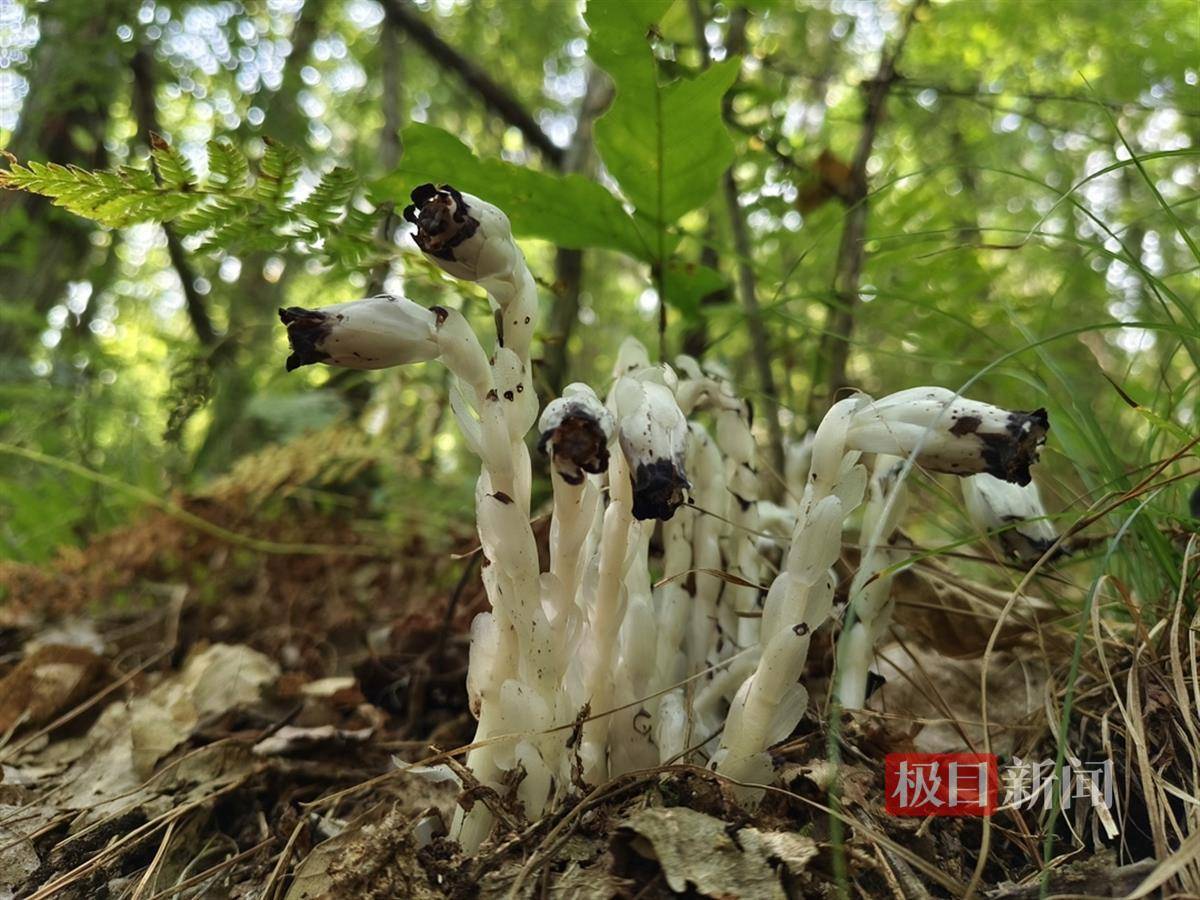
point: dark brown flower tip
(874, 682)
(658, 490)
(1025, 549)
(442, 217)
(577, 444)
(1009, 455)
(306, 329)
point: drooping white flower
(951, 433)
(374, 333)
(1012, 515)
(653, 433)
(575, 430)
(468, 237)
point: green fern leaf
(327, 203)
(277, 173)
(228, 170)
(227, 211)
(216, 212)
(173, 168)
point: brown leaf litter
(181, 717)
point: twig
(269, 889)
(835, 342)
(152, 869)
(134, 837)
(491, 92)
(200, 877)
(775, 64)
(568, 264)
(146, 114)
(175, 511)
(747, 286)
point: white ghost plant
(587, 669)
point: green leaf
(173, 167)
(686, 284)
(225, 210)
(618, 40)
(227, 166)
(324, 206)
(668, 151)
(569, 210)
(665, 144)
(277, 173)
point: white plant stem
(591, 632)
(870, 591)
(607, 614)
(771, 701)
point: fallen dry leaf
(291, 739)
(53, 678)
(944, 694)
(378, 860)
(122, 749)
(18, 857)
(711, 857)
(214, 681)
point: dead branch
(490, 91)
(146, 114)
(747, 287)
(835, 341)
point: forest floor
(183, 717)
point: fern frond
(229, 210)
(217, 211)
(113, 198)
(228, 170)
(277, 173)
(174, 170)
(327, 203)
(353, 242)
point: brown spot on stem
(641, 722)
(966, 425)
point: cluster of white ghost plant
(655, 653)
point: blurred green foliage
(1031, 229)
